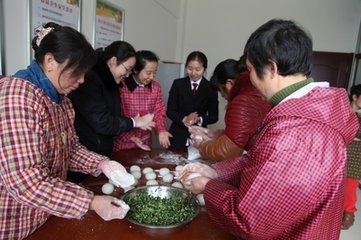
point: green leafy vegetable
(156, 211)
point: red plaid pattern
(290, 185)
(37, 146)
(142, 100)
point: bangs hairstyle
(198, 56)
(142, 57)
(67, 46)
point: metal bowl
(164, 192)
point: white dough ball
(179, 168)
(151, 182)
(150, 176)
(177, 184)
(134, 168)
(200, 198)
(107, 188)
(168, 178)
(164, 171)
(136, 174)
(147, 170)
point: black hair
(120, 49)
(282, 42)
(142, 57)
(197, 56)
(66, 45)
(355, 90)
(227, 69)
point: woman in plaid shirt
(290, 184)
(141, 95)
(38, 143)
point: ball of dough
(164, 171)
(150, 176)
(147, 170)
(107, 188)
(179, 168)
(200, 198)
(136, 174)
(134, 168)
(168, 178)
(151, 182)
(177, 185)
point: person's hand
(145, 122)
(164, 138)
(117, 173)
(190, 119)
(196, 185)
(202, 169)
(195, 141)
(205, 133)
(108, 207)
(140, 143)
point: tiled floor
(354, 233)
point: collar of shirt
(306, 89)
(132, 84)
(197, 82)
(35, 74)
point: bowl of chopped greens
(157, 210)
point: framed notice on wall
(109, 24)
(62, 12)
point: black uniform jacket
(97, 110)
(182, 102)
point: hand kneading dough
(147, 170)
(134, 168)
(107, 188)
(193, 175)
(122, 179)
(151, 182)
(150, 176)
(168, 178)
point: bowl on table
(160, 210)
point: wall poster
(109, 24)
(62, 12)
